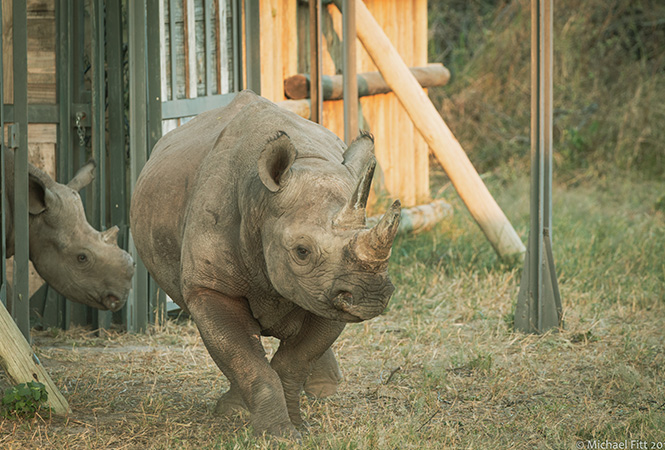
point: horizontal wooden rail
(296, 87)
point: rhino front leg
(232, 337)
(325, 376)
(295, 358)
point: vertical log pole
(443, 143)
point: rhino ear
(39, 195)
(275, 161)
(84, 176)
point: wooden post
(21, 363)
(441, 140)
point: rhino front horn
(375, 244)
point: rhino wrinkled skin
(79, 262)
(253, 220)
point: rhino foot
(230, 403)
(325, 377)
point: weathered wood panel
(279, 44)
(402, 154)
(41, 51)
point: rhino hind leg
(230, 402)
(325, 376)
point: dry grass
(441, 368)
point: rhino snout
(359, 307)
(113, 303)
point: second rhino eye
(82, 258)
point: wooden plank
(21, 364)
(269, 46)
(7, 52)
(405, 150)
(421, 149)
(290, 42)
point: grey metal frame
(539, 302)
(3, 206)
(350, 71)
(19, 141)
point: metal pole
(103, 318)
(21, 303)
(3, 206)
(350, 72)
(236, 8)
(253, 45)
(315, 61)
(538, 303)
(137, 304)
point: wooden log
(296, 87)
(22, 365)
(441, 140)
(419, 218)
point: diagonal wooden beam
(441, 140)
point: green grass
(442, 368)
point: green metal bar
(116, 149)
(76, 313)
(350, 72)
(538, 303)
(103, 318)
(315, 62)
(172, 47)
(137, 314)
(207, 13)
(3, 206)
(20, 304)
(253, 45)
(64, 164)
(236, 8)
(157, 309)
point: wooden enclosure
(402, 153)
(193, 60)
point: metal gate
(125, 71)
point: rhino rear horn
(275, 162)
(84, 176)
(360, 161)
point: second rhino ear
(39, 196)
(84, 176)
(275, 161)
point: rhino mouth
(350, 312)
(112, 303)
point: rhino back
(163, 190)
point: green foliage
(24, 400)
(609, 83)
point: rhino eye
(82, 258)
(302, 252)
